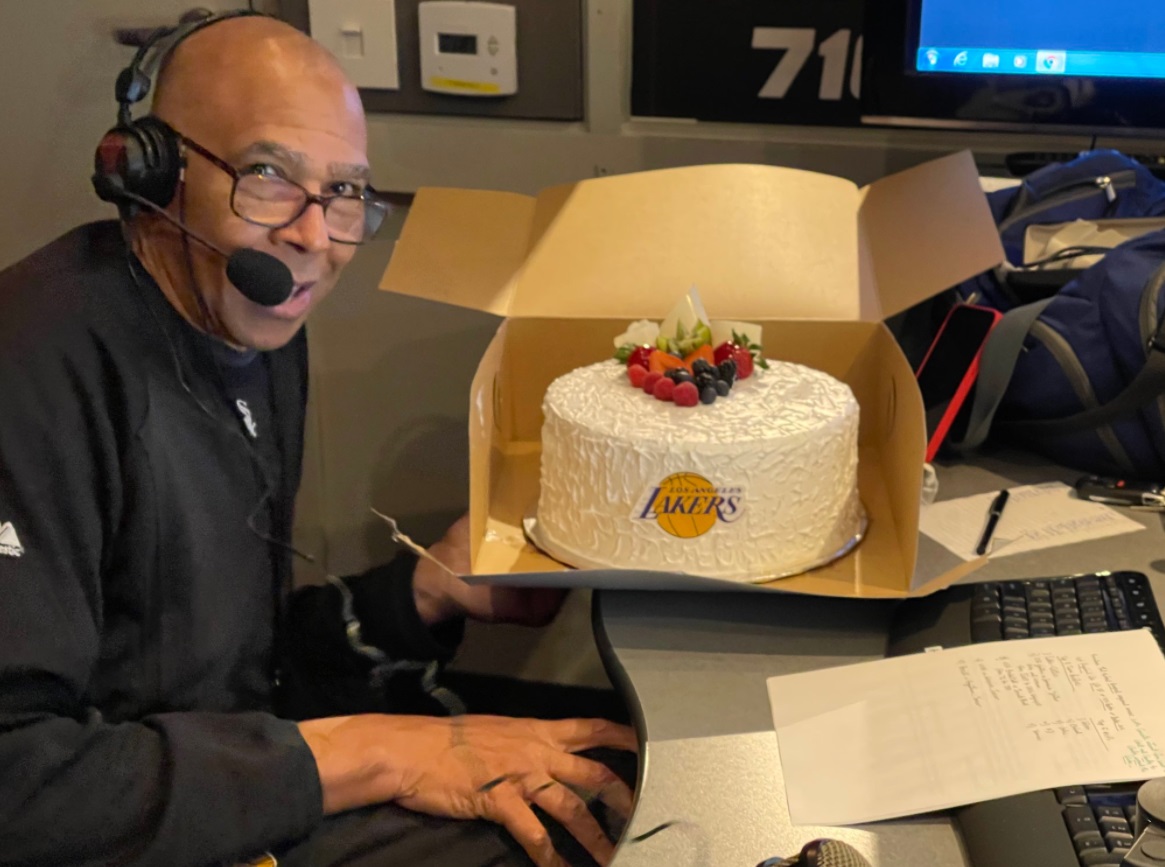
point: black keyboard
(1024, 163)
(1069, 827)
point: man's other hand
(471, 767)
(441, 596)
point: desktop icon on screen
(932, 57)
(961, 59)
(990, 61)
(1050, 62)
(1020, 61)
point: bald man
(152, 668)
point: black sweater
(139, 604)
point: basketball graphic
(682, 487)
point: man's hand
(441, 596)
(472, 767)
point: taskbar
(1010, 61)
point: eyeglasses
(275, 202)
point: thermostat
(468, 48)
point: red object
(640, 355)
(649, 381)
(724, 351)
(664, 389)
(743, 359)
(950, 369)
(637, 373)
(686, 394)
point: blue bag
(1080, 377)
(1098, 185)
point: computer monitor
(1077, 66)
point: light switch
(362, 35)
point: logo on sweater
(687, 505)
(248, 419)
(9, 542)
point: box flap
(924, 230)
(759, 241)
(462, 247)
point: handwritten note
(913, 734)
(1036, 517)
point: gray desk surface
(695, 666)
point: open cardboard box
(817, 261)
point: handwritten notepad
(913, 734)
(1036, 516)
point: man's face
(313, 136)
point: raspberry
(664, 389)
(686, 394)
(637, 373)
(650, 380)
(743, 359)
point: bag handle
(997, 364)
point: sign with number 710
(798, 44)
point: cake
(759, 483)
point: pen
(992, 520)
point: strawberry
(640, 355)
(744, 363)
(686, 394)
(636, 373)
(649, 381)
(727, 349)
(664, 389)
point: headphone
(142, 157)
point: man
(150, 441)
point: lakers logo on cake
(687, 505)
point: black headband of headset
(133, 82)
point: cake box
(815, 260)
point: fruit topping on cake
(688, 359)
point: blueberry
(682, 376)
(708, 394)
(723, 387)
(673, 373)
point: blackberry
(727, 370)
(708, 394)
(701, 366)
(703, 380)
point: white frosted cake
(758, 484)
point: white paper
(930, 731)
(1035, 517)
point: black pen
(992, 520)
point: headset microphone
(139, 163)
(259, 276)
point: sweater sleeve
(333, 635)
(184, 788)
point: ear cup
(142, 158)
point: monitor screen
(1077, 64)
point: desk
(693, 666)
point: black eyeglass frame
(375, 208)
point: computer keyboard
(1025, 162)
(1077, 826)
